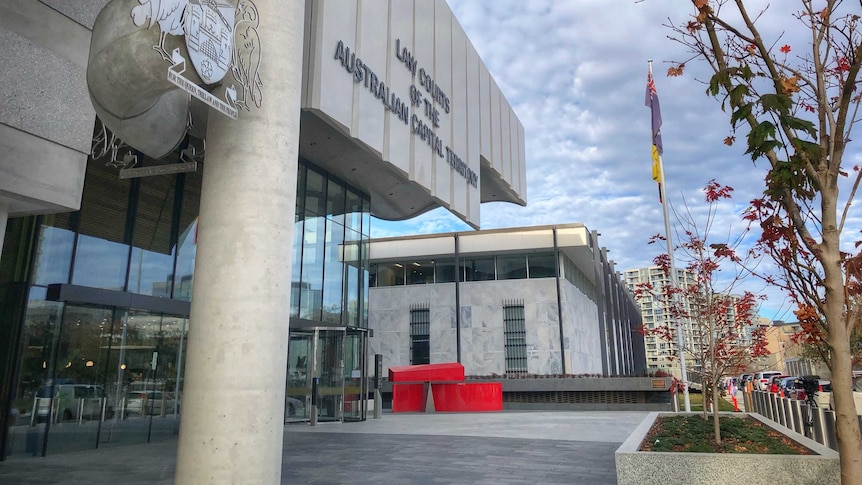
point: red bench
(441, 387)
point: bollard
(315, 382)
(378, 398)
(378, 404)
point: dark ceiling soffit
(123, 299)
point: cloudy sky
(575, 74)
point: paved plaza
(486, 448)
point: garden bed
(778, 454)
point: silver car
(149, 403)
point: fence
(813, 422)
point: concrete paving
(486, 448)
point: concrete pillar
(233, 398)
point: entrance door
(336, 357)
(300, 361)
(329, 368)
(355, 382)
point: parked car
(857, 395)
(149, 403)
(294, 408)
(773, 383)
(787, 387)
(743, 380)
(822, 394)
(72, 402)
(763, 378)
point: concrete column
(233, 399)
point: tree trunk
(846, 421)
(716, 428)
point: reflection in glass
(542, 265)
(420, 273)
(54, 255)
(390, 274)
(335, 199)
(444, 270)
(100, 263)
(479, 268)
(188, 235)
(152, 264)
(333, 273)
(353, 211)
(352, 287)
(315, 193)
(76, 399)
(512, 266)
(311, 290)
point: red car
(773, 384)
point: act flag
(653, 104)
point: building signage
(167, 169)
(425, 97)
(175, 76)
(211, 29)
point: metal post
(378, 398)
(315, 383)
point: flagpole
(680, 331)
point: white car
(149, 402)
(763, 379)
(857, 396)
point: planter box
(635, 467)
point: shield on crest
(209, 26)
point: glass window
(296, 270)
(512, 267)
(366, 216)
(479, 268)
(335, 200)
(515, 334)
(300, 190)
(353, 284)
(444, 270)
(311, 287)
(188, 234)
(541, 265)
(152, 265)
(390, 274)
(353, 211)
(420, 323)
(315, 193)
(333, 273)
(420, 273)
(54, 256)
(102, 253)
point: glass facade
(94, 314)
(471, 268)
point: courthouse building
(534, 301)
(103, 162)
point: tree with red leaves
(799, 110)
(720, 326)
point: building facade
(506, 302)
(660, 355)
(101, 215)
